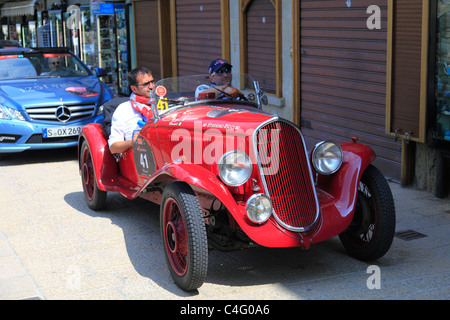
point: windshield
(40, 65)
(171, 93)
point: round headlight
(235, 168)
(327, 157)
(259, 208)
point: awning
(18, 8)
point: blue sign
(106, 8)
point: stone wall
(425, 169)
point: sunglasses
(222, 71)
(54, 63)
(146, 84)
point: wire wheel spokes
(365, 217)
(370, 234)
(95, 197)
(87, 172)
(184, 235)
(175, 237)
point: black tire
(95, 198)
(372, 230)
(184, 236)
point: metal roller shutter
(199, 35)
(261, 43)
(147, 36)
(343, 77)
(406, 79)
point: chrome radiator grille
(61, 113)
(287, 175)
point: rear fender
(105, 165)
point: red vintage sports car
(225, 172)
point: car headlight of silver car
(235, 168)
(100, 110)
(327, 157)
(8, 113)
(259, 208)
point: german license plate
(56, 132)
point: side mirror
(100, 72)
(264, 100)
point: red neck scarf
(142, 105)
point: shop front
(97, 31)
(18, 21)
(439, 95)
(442, 71)
(418, 91)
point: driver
(54, 64)
(57, 69)
(125, 118)
(220, 77)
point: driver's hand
(136, 134)
(235, 93)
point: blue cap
(217, 64)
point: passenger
(125, 118)
(220, 77)
(54, 64)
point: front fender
(194, 175)
(344, 183)
(337, 192)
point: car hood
(50, 91)
(223, 118)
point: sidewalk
(53, 247)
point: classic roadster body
(225, 171)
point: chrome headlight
(8, 113)
(235, 168)
(327, 157)
(259, 208)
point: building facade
(374, 69)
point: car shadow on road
(139, 222)
(259, 266)
(38, 156)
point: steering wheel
(228, 96)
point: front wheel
(184, 236)
(95, 198)
(372, 229)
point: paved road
(52, 246)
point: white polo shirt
(124, 122)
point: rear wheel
(372, 230)
(184, 236)
(95, 198)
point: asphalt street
(53, 247)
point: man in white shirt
(125, 118)
(220, 77)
